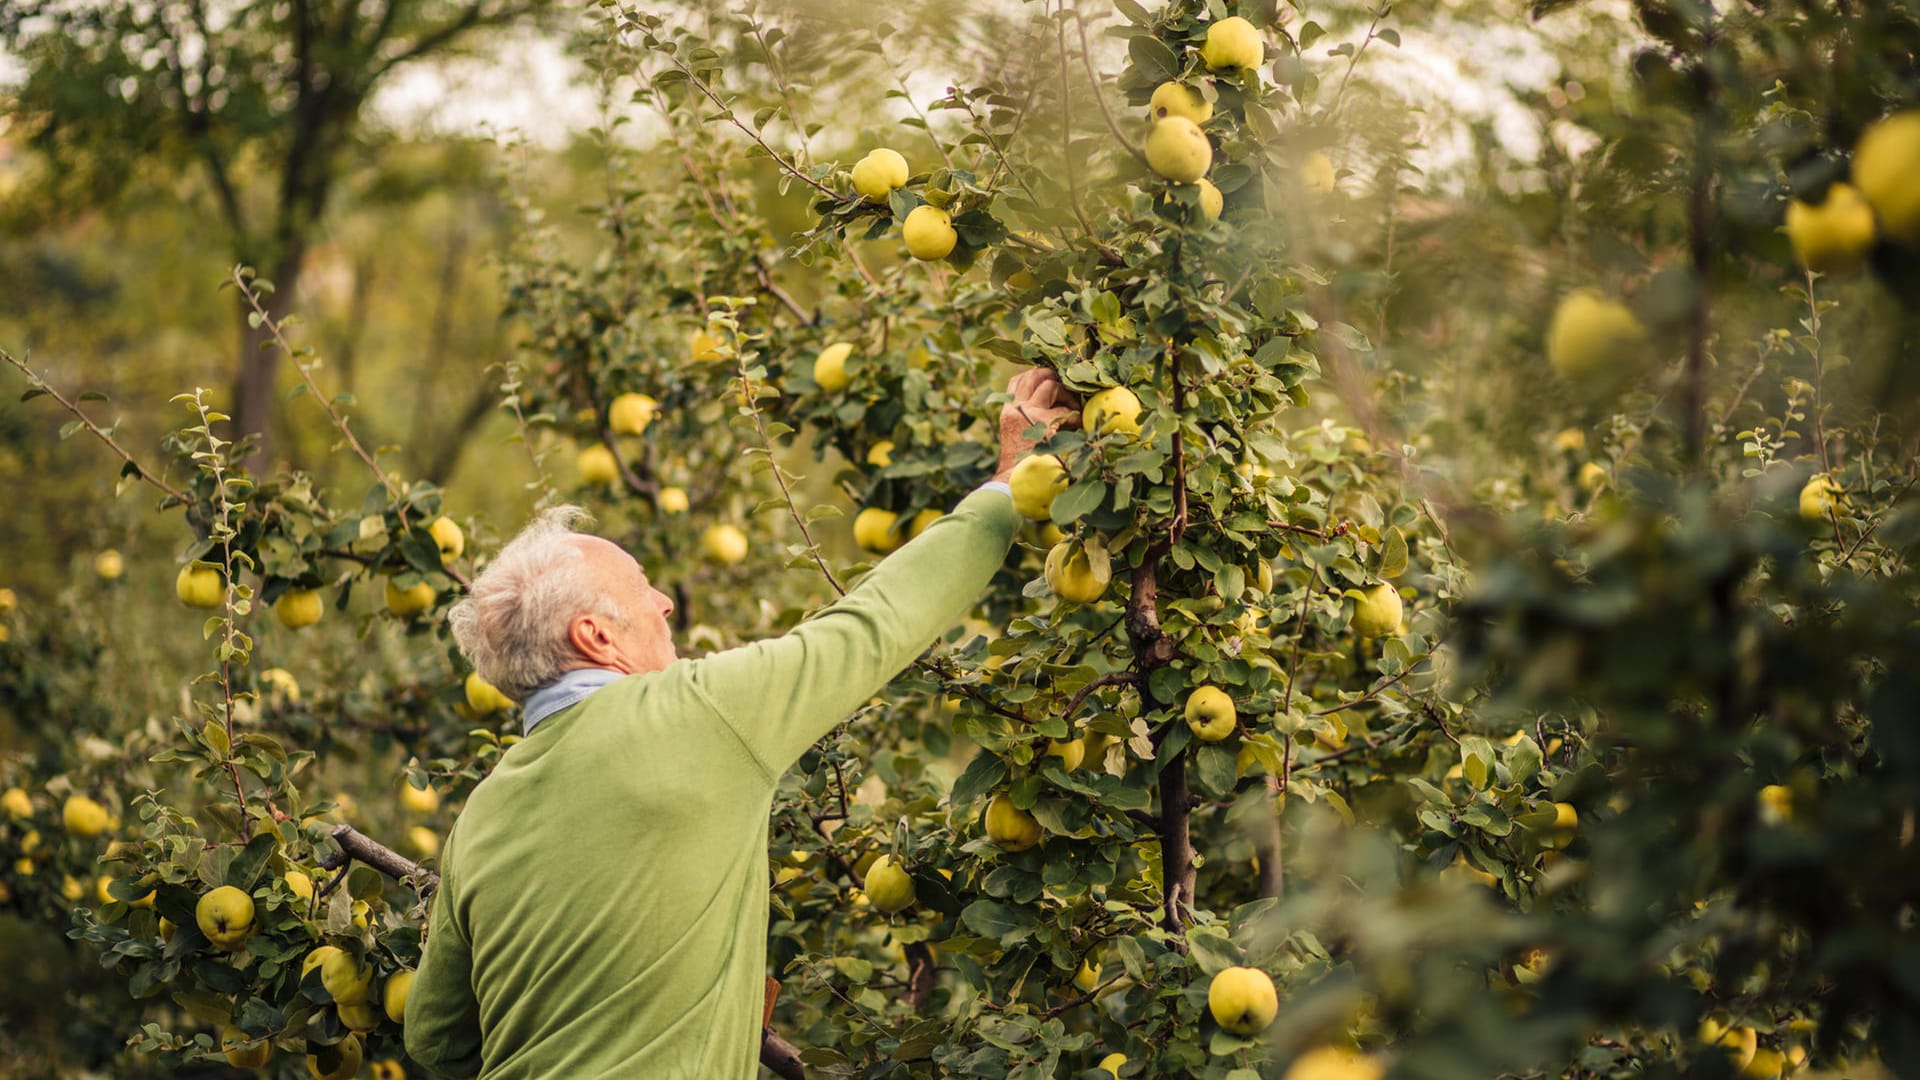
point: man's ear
(588, 634)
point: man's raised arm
(782, 695)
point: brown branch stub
(781, 1057)
(920, 973)
(355, 844)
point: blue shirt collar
(568, 690)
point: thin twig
(243, 280)
(727, 112)
(1116, 678)
(1086, 57)
(98, 432)
(779, 477)
(1378, 690)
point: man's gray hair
(513, 624)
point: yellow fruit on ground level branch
(299, 883)
(1775, 802)
(704, 348)
(1740, 1043)
(1071, 753)
(1112, 1063)
(17, 803)
(1232, 43)
(873, 530)
(888, 885)
(346, 977)
(109, 565)
(84, 817)
(1178, 150)
(1243, 1000)
(1075, 576)
(631, 413)
(225, 916)
(483, 697)
(316, 957)
(1087, 977)
(596, 465)
(830, 367)
(929, 233)
(423, 842)
(1334, 1063)
(1377, 612)
(1592, 336)
(448, 538)
(362, 1018)
(1037, 480)
(923, 519)
(1211, 201)
(1819, 498)
(1009, 826)
(394, 1000)
(673, 500)
(341, 1061)
(411, 601)
(1210, 713)
(1886, 162)
(1835, 236)
(233, 1043)
(723, 544)
(419, 801)
(1179, 99)
(1566, 820)
(876, 175)
(200, 587)
(1317, 175)
(880, 454)
(1114, 409)
(298, 609)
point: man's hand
(1038, 398)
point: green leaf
(1002, 922)
(1154, 59)
(1523, 760)
(1214, 770)
(1077, 501)
(982, 775)
(1212, 951)
(244, 871)
(1488, 818)
(1393, 554)
(215, 736)
(365, 883)
(854, 968)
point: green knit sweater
(603, 897)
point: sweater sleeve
(442, 1023)
(781, 695)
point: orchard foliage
(1587, 760)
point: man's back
(603, 906)
(617, 852)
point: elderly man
(603, 898)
